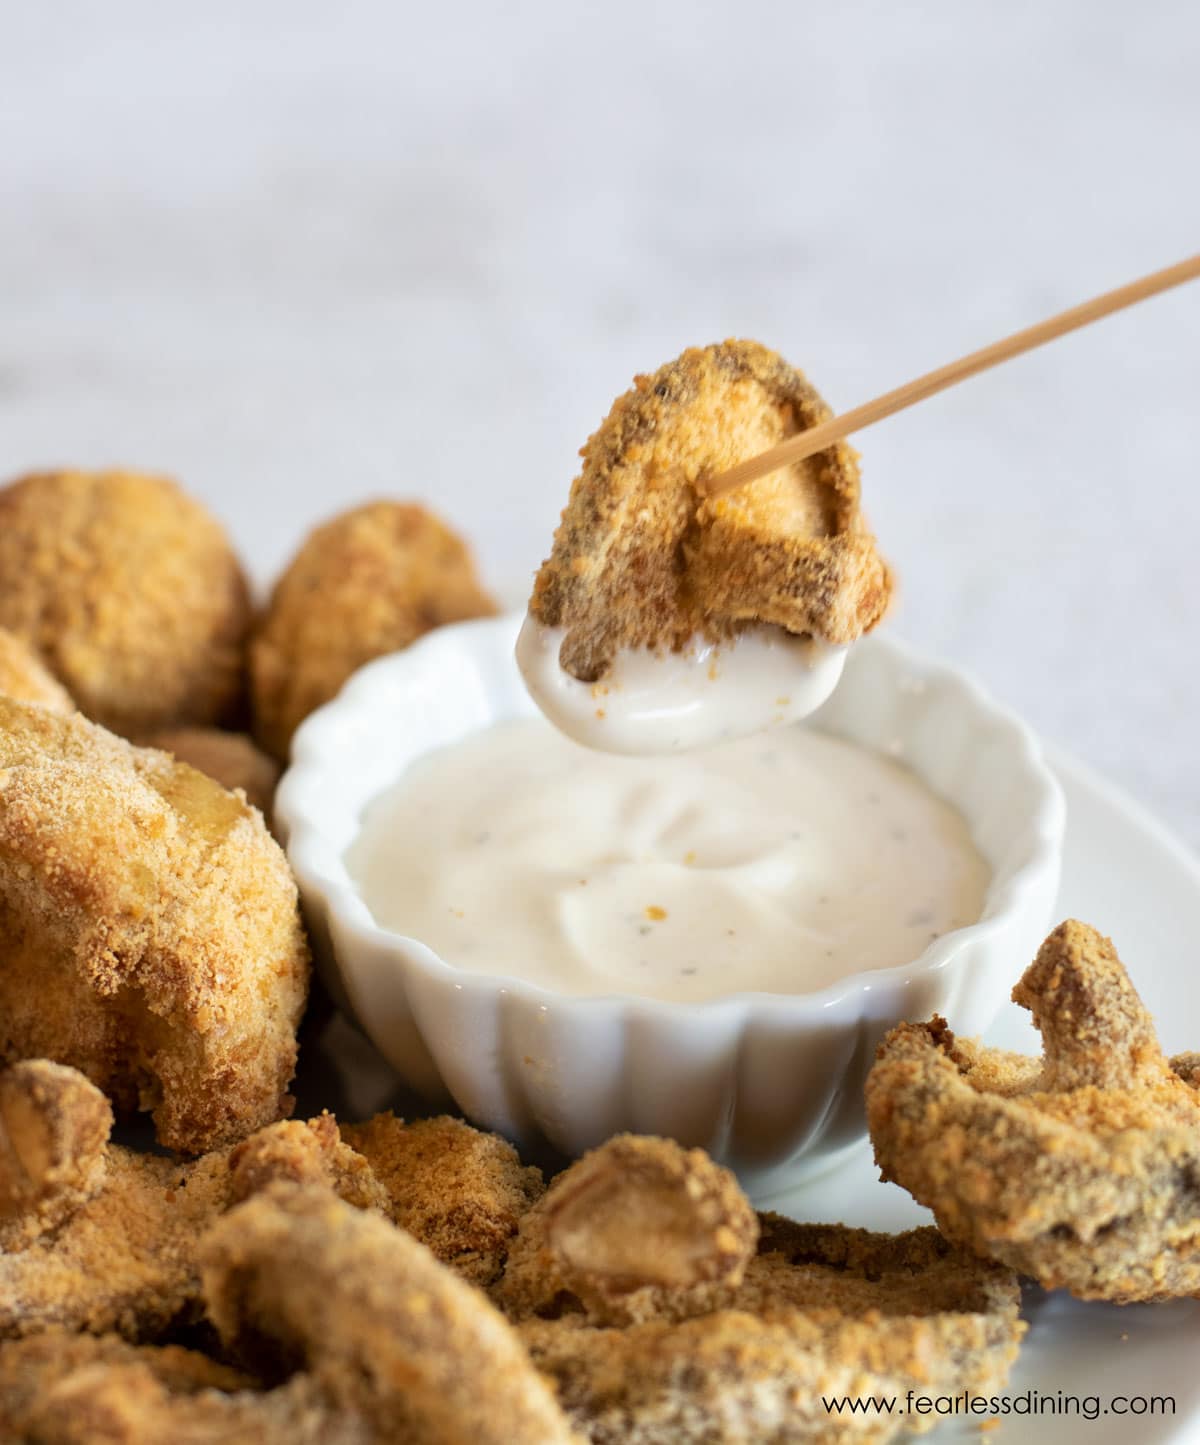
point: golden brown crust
(129, 591)
(62, 1389)
(637, 1227)
(54, 1127)
(1081, 1171)
(126, 1259)
(641, 559)
(102, 1238)
(824, 1311)
(231, 759)
(151, 926)
(460, 1191)
(23, 676)
(368, 582)
(310, 1153)
(296, 1276)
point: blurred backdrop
(302, 254)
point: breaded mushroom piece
(643, 559)
(460, 1191)
(635, 1227)
(822, 1311)
(67, 1389)
(368, 582)
(309, 1153)
(23, 676)
(151, 930)
(1079, 1169)
(130, 593)
(95, 1237)
(54, 1126)
(296, 1279)
(230, 758)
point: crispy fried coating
(636, 1226)
(641, 559)
(103, 1238)
(230, 758)
(62, 1389)
(54, 1126)
(460, 1191)
(294, 1278)
(306, 1153)
(823, 1311)
(1081, 1170)
(368, 582)
(97, 1237)
(125, 1260)
(150, 930)
(23, 676)
(129, 591)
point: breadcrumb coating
(635, 1227)
(642, 559)
(63, 1389)
(54, 1126)
(23, 676)
(100, 1238)
(368, 582)
(296, 1278)
(460, 1191)
(130, 593)
(824, 1311)
(151, 930)
(1082, 1169)
(305, 1153)
(125, 1260)
(231, 759)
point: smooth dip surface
(670, 702)
(780, 863)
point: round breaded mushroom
(129, 592)
(369, 582)
(150, 932)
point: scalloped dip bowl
(769, 1083)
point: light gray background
(304, 253)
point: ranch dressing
(779, 863)
(669, 702)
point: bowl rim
(321, 870)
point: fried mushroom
(297, 1280)
(368, 582)
(643, 559)
(823, 1311)
(129, 592)
(151, 931)
(460, 1191)
(636, 1226)
(1081, 1170)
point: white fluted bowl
(769, 1083)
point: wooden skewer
(817, 438)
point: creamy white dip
(669, 702)
(780, 862)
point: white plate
(1124, 873)
(1127, 875)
